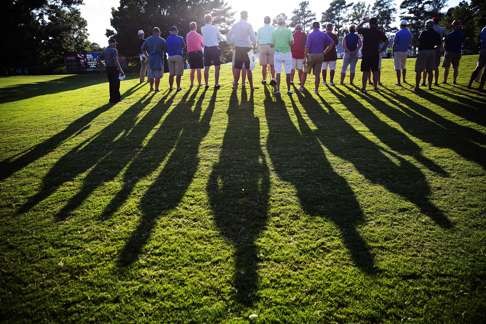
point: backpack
(352, 41)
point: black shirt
(332, 54)
(372, 38)
(428, 40)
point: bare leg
(272, 71)
(277, 84)
(436, 76)
(418, 77)
(206, 75)
(331, 75)
(324, 76)
(430, 77)
(317, 81)
(178, 81)
(287, 78)
(157, 83)
(199, 76)
(191, 76)
(364, 81)
(264, 73)
(376, 77)
(216, 75)
(404, 74)
(343, 76)
(446, 74)
(301, 77)
(292, 74)
(151, 82)
(250, 78)
(171, 81)
(351, 78)
(399, 77)
(236, 77)
(243, 76)
(456, 73)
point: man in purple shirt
(318, 43)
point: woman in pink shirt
(194, 42)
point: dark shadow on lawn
(469, 109)
(185, 129)
(432, 128)
(369, 159)
(88, 154)
(389, 135)
(120, 154)
(299, 159)
(238, 190)
(21, 160)
(30, 90)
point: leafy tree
(358, 12)
(47, 29)
(418, 11)
(303, 15)
(336, 13)
(384, 11)
(465, 12)
(282, 14)
(132, 15)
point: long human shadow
(299, 159)
(467, 109)
(34, 89)
(185, 129)
(87, 154)
(238, 190)
(392, 137)
(369, 159)
(121, 153)
(15, 163)
(430, 127)
(154, 152)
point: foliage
(132, 15)
(337, 14)
(466, 13)
(303, 15)
(358, 12)
(384, 11)
(46, 30)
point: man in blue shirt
(453, 48)
(481, 62)
(154, 47)
(401, 45)
(175, 51)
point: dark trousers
(112, 73)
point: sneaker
(301, 89)
(273, 82)
(179, 89)
(289, 92)
(264, 82)
(331, 84)
(276, 92)
(217, 86)
(316, 91)
(324, 83)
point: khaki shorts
(400, 60)
(266, 55)
(176, 65)
(314, 63)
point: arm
(360, 44)
(345, 46)
(252, 37)
(118, 63)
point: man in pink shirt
(194, 42)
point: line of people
(283, 51)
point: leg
(157, 83)
(199, 76)
(404, 73)
(324, 76)
(216, 75)
(178, 81)
(483, 80)
(317, 77)
(446, 74)
(191, 76)
(151, 82)
(430, 77)
(250, 78)
(243, 76)
(399, 76)
(236, 76)
(206, 75)
(264, 73)
(331, 76)
(301, 76)
(272, 71)
(287, 78)
(277, 84)
(418, 76)
(364, 81)
(292, 75)
(424, 78)
(171, 81)
(436, 76)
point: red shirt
(299, 45)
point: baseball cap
(403, 23)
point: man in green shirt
(282, 41)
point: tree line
(39, 32)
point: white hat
(140, 32)
(403, 23)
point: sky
(98, 12)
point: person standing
(330, 57)
(439, 50)
(282, 41)
(481, 61)
(141, 55)
(428, 42)
(175, 51)
(401, 45)
(453, 49)
(243, 38)
(211, 38)
(264, 40)
(317, 45)
(113, 70)
(298, 54)
(154, 47)
(194, 42)
(351, 44)
(372, 37)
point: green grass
(211, 206)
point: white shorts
(400, 60)
(285, 59)
(330, 64)
(297, 64)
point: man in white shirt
(243, 39)
(211, 39)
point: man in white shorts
(298, 54)
(401, 45)
(330, 57)
(282, 41)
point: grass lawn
(212, 206)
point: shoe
(289, 92)
(363, 91)
(301, 89)
(276, 92)
(206, 86)
(316, 91)
(217, 86)
(331, 84)
(179, 89)
(324, 83)
(264, 82)
(273, 82)
(291, 82)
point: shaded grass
(212, 205)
